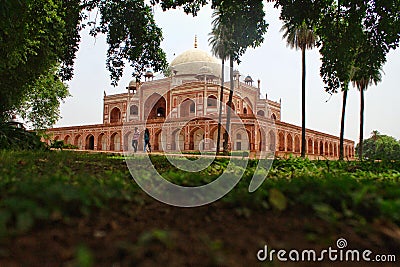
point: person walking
(135, 139)
(146, 140)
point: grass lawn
(61, 208)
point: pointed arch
(281, 137)
(310, 146)
(271, 141)
(321, 148)
(187, 108)
(155, 107)
(316, 147)
(326, 148)
(67, 139)
(212, 101)
(178, 140)
(115, 142)
(89, 142)
(159, 142)
(289, 143)
(115, 115)
(197, 139)
(101, 142)
(78, 141)
(297, 144)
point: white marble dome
(194, 55)
(189, 63)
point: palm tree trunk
(303, 104)
(361, 123)
(341, 142)
(221, 100)
(229, 108)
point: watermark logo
(178, 125)
(341, 243)
(340, 253)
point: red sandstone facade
(181, 113)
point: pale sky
(277, 66)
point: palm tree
(240, 26)
(362, 83)
(221, 41)
(341, 141)
(219, 45)
(301, 37)
(229, 106)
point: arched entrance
(271, 141)
(321, 148)
(263, 140)
(289, 141)
(159, 141)
(102, 142)
(214, 136)
(297, 144)
(310, 146)
(281, 141)
(115, 115)
(128, 141)
(187, 108)
(155, 107)
(115, 142)
(78, 141)
(178, 140)
(89, 142)
(197, 139)
(67, 140)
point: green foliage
(351, 33)
(41, 187)
(136, 40)
(52, 186)
(59, 144)
(40, 106)
(15, 138)
(380, 147)
(35, 35)
(239, 24)
(84, 257)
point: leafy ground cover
(62, 208)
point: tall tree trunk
(360, 151)
(229, 108)
(341, 142)
(221, 100)
(303, 104)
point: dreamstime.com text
(340, 253)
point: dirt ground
(155, 234)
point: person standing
(146, 140)
(135, 139)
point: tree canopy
(344, 30)
(36, 35)
(380, 147)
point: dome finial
(195, 41)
